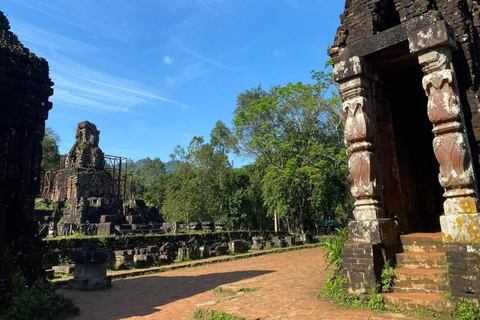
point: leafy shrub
(39, 302)
(375, 301)
(214, 315)
(334, 248)
(223, 292)
(388, 279)
(465, 309)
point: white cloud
(81, 87)
(167, 59)
(202, 58)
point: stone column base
(463, 262)
(372, 231)
(461, 228)
(362, 266)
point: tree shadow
(145, 295)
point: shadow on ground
(146, 295)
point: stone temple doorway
(412, 194)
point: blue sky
(151, 74)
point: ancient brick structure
(25, 87)
(404, 67)
(86, 187)
(88, 194)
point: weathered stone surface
(25, 88)
(434, 35)
(90, 269)
(461, 228)
(372, 232)
(464, 270)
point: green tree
(51, 153)
(294, 132)
(150, 180)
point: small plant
(222, 292)
(38, 302)
(388, 279)
(465, 309)
(375, 302)
(248, 290)
(334, 248)
(214, 315)
(418, 12)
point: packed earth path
(280, 286)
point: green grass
(248, 290)
(222, 292)
(214, 315)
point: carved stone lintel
(450, 144)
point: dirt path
(285, 285)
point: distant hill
(170, 166)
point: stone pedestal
(257, 243)
(90, 269)
(237, 246)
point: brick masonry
(25, 88)
(464, 270)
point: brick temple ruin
(87, 192)
(25, 88)
(403, 67)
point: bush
(465, 309)
(388, 279)
(214, 315)
(334, 248)
(39, 302)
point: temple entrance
(417, 200)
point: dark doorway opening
(419, 202)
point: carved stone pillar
(370, 234)
(461, 222)
(362, 160)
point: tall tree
(51, 153)
(295, 132)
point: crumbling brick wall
(25, 87)
(365, 18)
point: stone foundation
(362, 266)
(463, 261)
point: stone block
(435, 35)
(461, 228)
(257, 243)
(237, 246)
(204, 252)
(373, 232)
(66, 269)
(134, 219)
(221, 250)
(290, 240)
(106, 228)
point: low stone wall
(463, 262)
(59, 251)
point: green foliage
(38, 302)
(224, 292)
(334, 248)
(334, 289)
(464, 309)
(388, 278)
(248, 290)
(50, 149)
(294, 133)
(214, 315)
(375, 301)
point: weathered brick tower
(403, 68)
(85, 185)
(25, 87)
